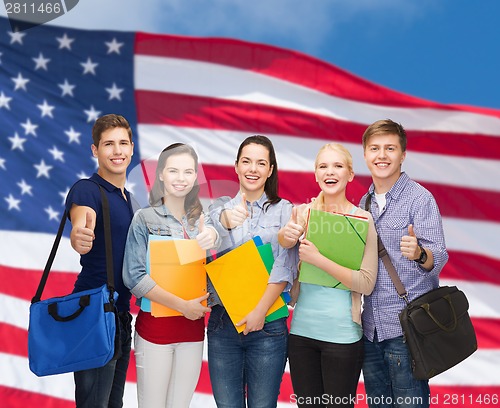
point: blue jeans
(388, 376)
(103, 387)
(254, 362)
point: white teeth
(382, 165)
(252, 177)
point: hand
(194, 310)
(206, 236)
(254, 321)
(82, 237)
(308, 252)
(236, 216)
(292, 231)
(409, 245)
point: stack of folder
(240, 278)
(339, 237)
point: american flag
(212, 93)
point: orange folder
(177, 266)
(240, 278)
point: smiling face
(114, 153)
(178, 175)
(384, 157)
(253, 169)
(333, 171)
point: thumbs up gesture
(82, 238)
(235, 217)
(292, 230)
(206, 236)
(409, 245)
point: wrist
(422, 259)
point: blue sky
(441, 50)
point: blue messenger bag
(79, 331)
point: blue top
(407, 203)
(324, 313)
(93, 273)
(261, 222)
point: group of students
(334, 333)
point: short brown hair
(107, 122)
(385, 127)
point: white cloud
(299, 24)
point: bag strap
(108, 245)
(383, 254)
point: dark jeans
(248, 366)
(388, 376)
(324, 374)
(103, 387)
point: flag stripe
(463, 397)
(484, 310)
(219, 147)
(454, 202)
(156, 74)
(465, 258)
(288, 65)
(16, 398)
(175, 109)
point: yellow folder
(240, 278)
(177, 266)
(339, 237)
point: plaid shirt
(407, 203)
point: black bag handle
(108, 245)
(427, 308)
(83, 303)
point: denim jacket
(151, 221)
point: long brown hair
(192, 203)
(271, 186)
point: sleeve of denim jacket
(284, 267)
(134, 272)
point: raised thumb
(411, 233)
(294, 215)
(244, 200)
(201, 223)
(88, 220)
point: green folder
(266, 253)
(339, 237)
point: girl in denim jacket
(168, 350)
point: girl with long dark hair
(248, 366)
(168, 350)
